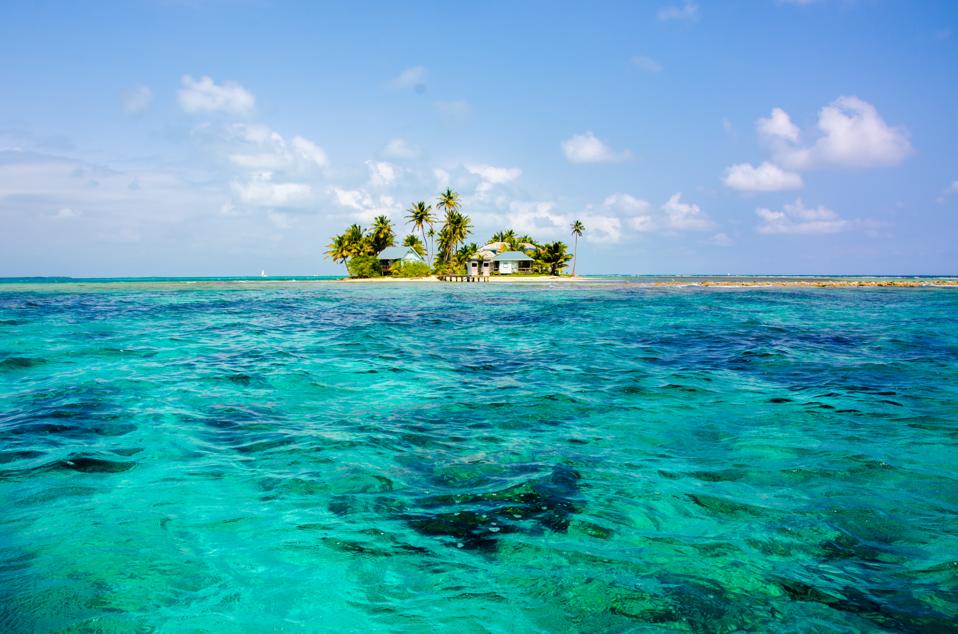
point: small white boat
(263, 273)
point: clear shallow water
(302, 457)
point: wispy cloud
(413, 77)
(204, 95)
(400, 149)
(797, 219)
(688, 11)
(491, 175)
(767, 177)
(137, 99)
(587, 148)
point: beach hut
(391, 256)
(480, 264)
(512, 262)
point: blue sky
(222, 138)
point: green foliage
(411, 269)
(364, 266)
(553, 257)
(416, 244)
(381, 234)
(449, 268)
(419, 215)
(465, 253)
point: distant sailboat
(263, 273)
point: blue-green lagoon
(228, 456)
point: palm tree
(466, 252)
(356, 242)
(381, 234)
(338, 249)
(420, 216)
(577, 230)
(412, 240)
(449, 201)
(554, 256)
(455, 226)
(461, 226)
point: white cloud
(491, 175)
(646, 63)
(721, 240)
(381, 173)
(414, 77)
(353, 198)
(686, 11)
(778, 125)
(260, 191)
(257, 147)
(137, 99)
(494, 175)
(364, 205)
(399, 149)
(674, 215)
(684, 216)
(767, 177)
(626, 202)
(587, 148)
(65, 213)
(852, 134)
(539, 218)
(309, 151)
(796, 219)
(205, 95)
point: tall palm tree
(455, 226)
(338, 249)
(577, 230)
(420, 217)
(412, 240)
(461, 227)
(449, 201)
(381, 234)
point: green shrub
(411, 269)
(450, 269)
(364, 266)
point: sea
(301, 455)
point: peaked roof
(397, 253)
(512, 256)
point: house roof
(512, 256)
(397, 253)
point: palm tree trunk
(575, 255)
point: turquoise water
(315, 456)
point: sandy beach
(496, 279)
